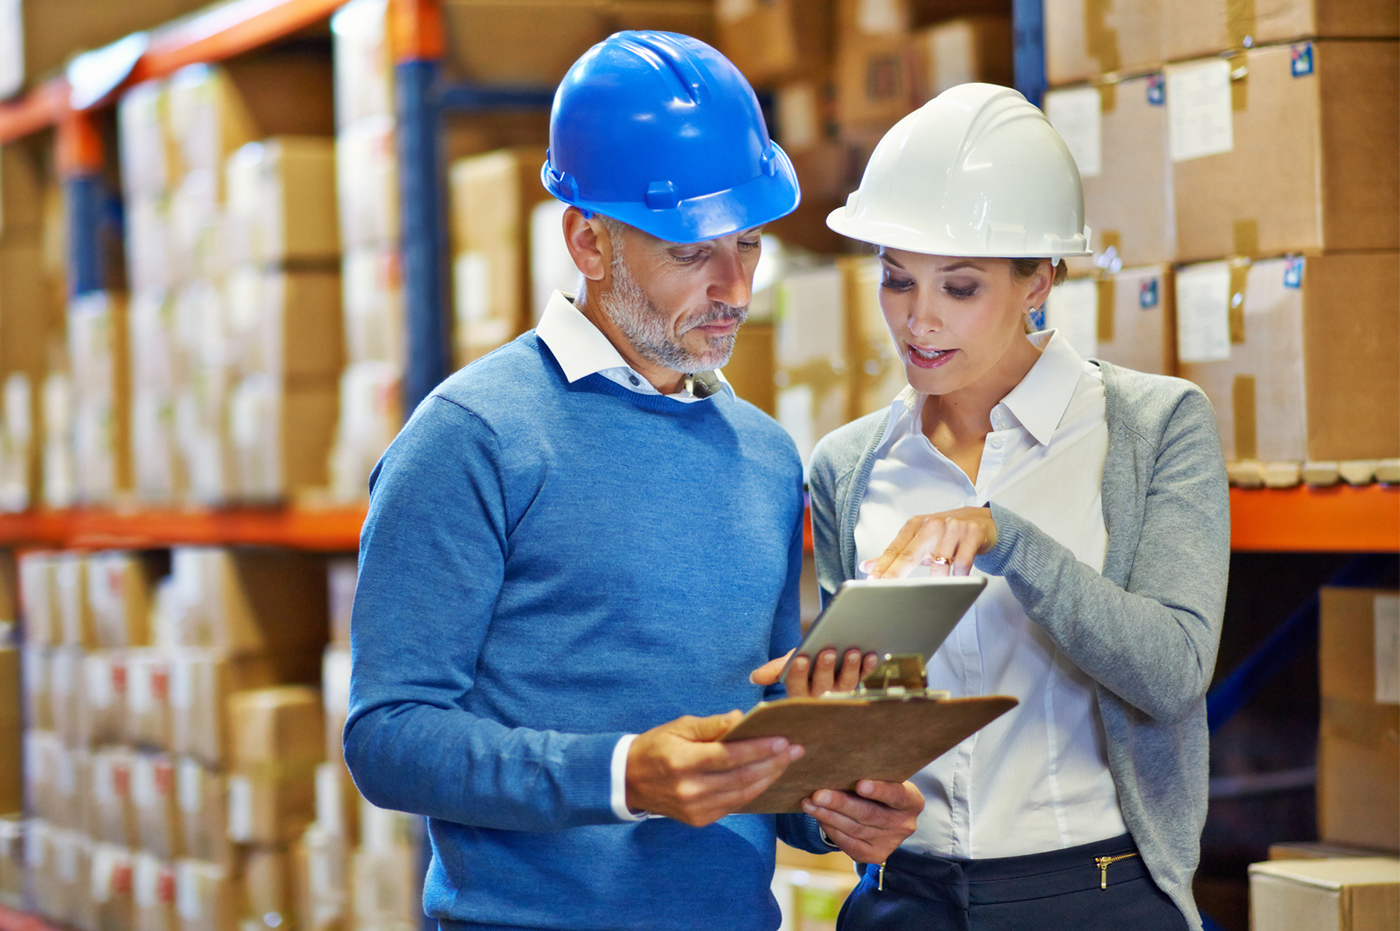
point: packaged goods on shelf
(112, 813)
(1196, 28)
(324, 888)
(337, 801)
(66, 692)
(281, 201)
(203, 684)
(367, 183)
(810, 351)
(152, 892)
(102, 714)
(97, 349)
(21, 190)
(280, 726)
(1287, 148)
(202, 793)
(153, 796)
(876, 82)
(270, 805)
(12, 830)
(775, 41)
(496, 42)
(749, 370)
(60, 867)
(335, 695)
(1117, 133)
(895, 17)
(370, 417)
(11, 734)
(206, 896)
(40, 769)
(250, 602)
(194, 237)
(962, 50)
(281, 435)
(59, 463)
(1124, 317)
(801, 114)
(120, 588)
(873, 361)
(24, 337)
(37, 37)
(1358, 767)
(20, 463)
(113, 905)
(75, 619)
(385, 871)
(150, 243)
(1087, 38)
(1297, 355)
(36, 583)
(364, 61)
(284, 323)
(551, 267)
(145, 144)
(267, 886)
(492, 196)
(688, 17)
(373, 305)
(147, 698)
(1349, 894)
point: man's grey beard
(644, 324)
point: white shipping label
(189, 892)
(879, 17)
(145, 880)
(1200, 114)
(99, 681)
(1077, 116)
(1073, 311)
(1387, 611)
(182, 681)
(727, 11)
(1203, 313)
(799, 115)
(189, 786)
(240, 808)
(66, 854)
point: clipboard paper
(848, 739)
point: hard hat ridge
(662, 132)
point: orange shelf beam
(1340, 519)
(41, 108)
(319, 529)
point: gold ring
(940, 560)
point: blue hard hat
(663, 133)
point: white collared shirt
(581, 350)
(1037, 778)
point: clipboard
(887, 734)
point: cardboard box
(267, 881)
(1087, 38)
(153, 796)
(37, 37)
(281, 201)
(1358, 767)
(492, 196)
(113, 904)
(21, 469)
(810, 350)
(367, 183)
(37, 597)
(1324, 895)
(877, 82)
(325, 891)
(206, 896)
(1287, 148)
(374, 305)
(1304, 365)
(65, 872)
(364, 61)
(113, 813)
(98, 350)
(777, 40)
(120, 585)
(271, 805)
(371, 414)
(1196, 28)
(1319, 850)
(66, 693)
(279, 726)
(153, 893)
(203, 683)
(694, 18)
(1117, 133)
(962, 50)
(38, 706)
(202, 794)
(21, 190)
(281, 434)
(285, 324)
(146, 148)
(335, 698)
(876, 369)
(1124, 318)
(147, 699)
(502, 42)
(337, 801)
(102, 713)
(342, 575)
(750, 370)
(12, 861)
(11, 769)
(59, 458)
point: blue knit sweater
(545, 567)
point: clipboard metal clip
(900, 676)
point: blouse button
(634, 379)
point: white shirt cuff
(619, 781)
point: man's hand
(806, 678)
(870, 825)
(680, 769)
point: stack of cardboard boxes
(1253, 151)
(169, 760)
(234, 332)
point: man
(584, 538)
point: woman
(1093, 498)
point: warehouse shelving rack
(1342, 519)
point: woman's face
(957, 321)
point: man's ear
(589, 244)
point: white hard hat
(976, 171)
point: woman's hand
(806, 678)
(946, 543)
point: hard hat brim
(708, 216)
(909, 239)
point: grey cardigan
(1146, 630)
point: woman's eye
(961, 293)
(896, 284)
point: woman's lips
(929, 358)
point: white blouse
(1037, 778)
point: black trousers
(1062, 890)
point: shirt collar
(581, 349)
(1038, 402)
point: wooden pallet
(1255, 474)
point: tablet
(891, 615)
